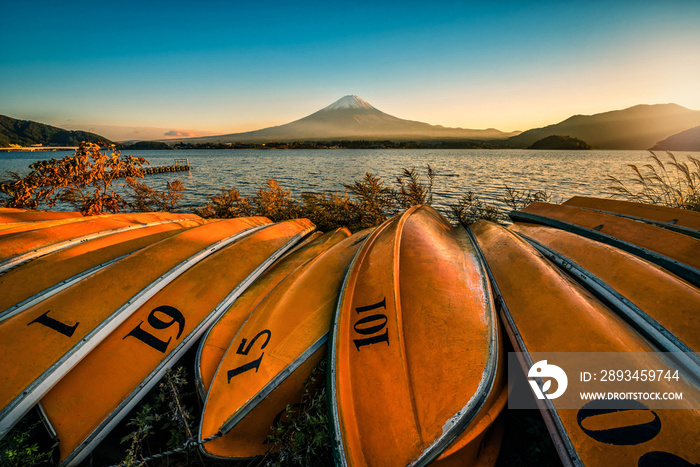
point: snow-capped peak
(349, 102)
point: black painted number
(371, 325)
(155, 322)
(244, 349)
(56, 325)
(629, 435)
(619, 436)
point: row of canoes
(94, 310)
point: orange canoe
(673, 251)
(680, 220)
(95, 395)
(40, 344)
(414, 352)
(9, 215)
(668, 317)
(272, 355)
(545, 311)
(19, 227)
(33, 281)
(19, 247)
(218, 338)
(27, 226)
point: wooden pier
(181, 165)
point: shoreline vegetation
(556, 142)
(550, 142)
(166, 418)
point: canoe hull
(415, 282)
(288, 330)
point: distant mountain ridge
(639, 127)
(352, 118)
(688, 140)
(29, 133)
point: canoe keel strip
(20, 400)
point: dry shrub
(226, 205)
(146, 199)
(275, 203)
(374, 201)
(410, 188)
(85, 180)
(470, 209)
(370, 204)
(330, 211)
(517, 200)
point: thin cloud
(180, 133)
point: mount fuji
(352, 118)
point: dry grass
(672, 183)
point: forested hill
(28, 133)
(638, 127)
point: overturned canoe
(414, 351)
(94, 396)
(8, 229)
(43, 342)
(667, 317)
(27, 226)
(11, 215)
(673, 251)
(37, 280)
(17, 248)
(680, 220)
(272, 355)
(219, 336)
(546, 311)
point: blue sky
(147, 68)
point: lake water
(485, 172)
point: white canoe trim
(103, 429)
(45, 250)
(253, 402)
(19, 406)
(45, 420)
(683, 270)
